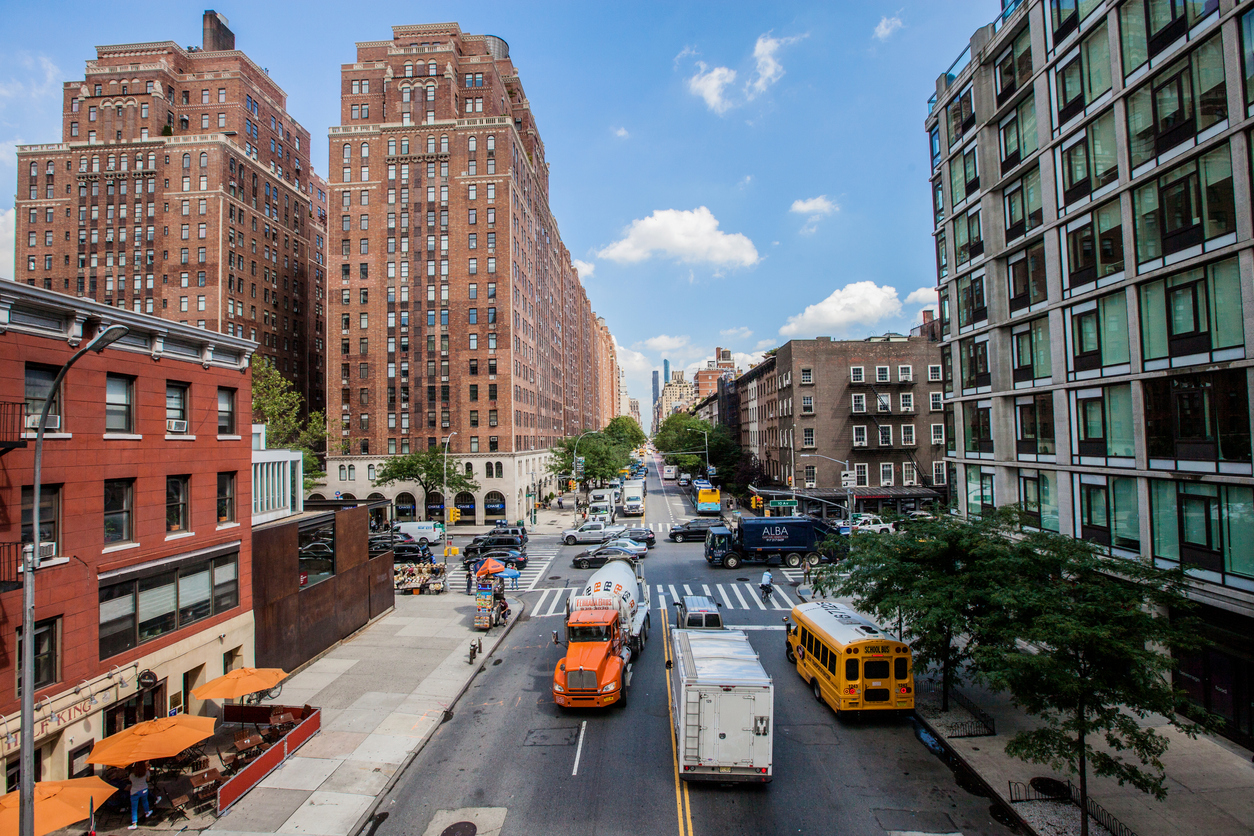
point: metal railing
(10, 560)
(983, 724)
(1020, 792)
(12, 419)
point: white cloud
(859, 303)
(769, 70)
(709, 84)
(633, 362)
(745, 361)
(748, 178)
(621, 133)
(816, 209)
(684, 53)
(767, 343)
(585, 268)
(741, 333)
(887, 26)
(690, 236)
(663, 343)
(42, 79)
(8, 229)
(923, 296)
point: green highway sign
(783, 503)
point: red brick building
(144, 591)
(458, 309)
(182, 188)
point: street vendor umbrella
(164, 737)
(508, 573)
(58, 804)
(490, 567)
(240, 683)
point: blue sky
(728, 173)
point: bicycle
(767, 591)
(261, 696)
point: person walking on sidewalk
(805, 572)
(470, 576)
(139, 792)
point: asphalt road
(509, 750)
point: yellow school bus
(849, 662)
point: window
(1023, 204)
(1038, 494)
(933, 373)
(226, 498)
(176, 406)
(1203, 525)
(49, 514)
(978, 426)
(1108, 511)
(964, 175)
(882, 374)
(1027, 277)
(1099, 333)
(1095, 245)
(942, 255)
(935, 401)
(1017, 134)
(39, 380)
(136, 611)
(979, 491)
(905, 373)
(1148, 27)
(960, 115)
(119, 404)
(860, 475)
(1104, 422)
(859, 435)
(973, 355)
(226, 412)
(807, 377)
(46, 645)
(1034, 424)
(885, 436)
(1086, 76)
(938, 433)
(859, 402)
(177, 512)
(1089, 160)
(807, 405)
(1180, 102)
(1014, 66)
(968, 237)
(1031, 355)
(119, 505)
(807, 437)
(886, 473)
(972, 306)
(1189, 205)
(1197, 311)
(855, 374)
(1197, 417)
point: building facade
(722, 366)
(460, 315)
(182, 188)
(677, 395)
(144, 588)
(1091, 182)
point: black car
(488, 542)
(694, 529)
(512, 558)
(517, 530)
(641, 535)
(592, 558)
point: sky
(731, 174)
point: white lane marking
(540, 603)
(787, 600)
(687, 589)
(754, 626)
(723, 594)
(674, 594)
(579, 748)
(661, 598)
(756, 596)
(543, 571)
(735, 587)
(557, 601)
(705, 589)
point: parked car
(512, 558)
(913, 517)
(869, 523)
(641, 535)
(694, 529)
(627, 544)
(594, 557)
(591, 532)
(488, 542)
(517, 530)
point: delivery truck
(770, 540)
(723, 703)
(607, 625)
(633, 499)
(668, 471)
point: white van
(424, 533)
(601, 512)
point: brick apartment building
(459, 313)
(145, 588)
(182, 188)
(722, 366)
(875, 403)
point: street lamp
(574, 465)
(707, 448)
(26, 816)
(848, 490)
(535, 498)
(445, 497)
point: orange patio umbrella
(58, 804)
(490, 567)
(164, 737)
(239, 683)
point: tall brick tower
(460, 313)
(182, 188)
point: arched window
(95, 162)
(491, 142)
(471, 144)
(370, 472)
(139, 162)
(404, 145)
(409, 70)
(365, 150)
(500, 471)
(110, 164)
(152, 160)
(430, 145)
(352, 473)
(204, 159)
(431, 70)
(444, 144)
(348, 152)
(343, 473)
(187, 161)
(391, 147)
(431, 93)
(470, 469)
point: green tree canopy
(603, 457)
(279, 406)
(623, 431)
(683, 444)
(426, 469)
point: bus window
(851, 669)
(831, 663)
(823, 655)
(876, 669)
(901, 667)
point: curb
(992, 793)
(372, 810)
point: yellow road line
(682, 804)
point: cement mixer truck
(607, 625)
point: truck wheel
(792, 560)
(679, 538)
(731, 561)
(812, 558)
(622, 698)
(570, 541)
(583, 564)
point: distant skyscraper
(666, 372)
(655, 387)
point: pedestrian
(559, 503)
(472, 568)
(513, 582)
(805, 572)
(139, 792)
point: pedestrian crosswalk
(733, 596)
(538, 562)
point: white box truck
(633, 499)
(668, 471)
(724, 706)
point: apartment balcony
(878, 384)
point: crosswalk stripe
(557, 600)
(756, 598)
(705, 590)
(540, 603)
(674, 594)
(687, 590)
(661, 598)
(736, 589)
(723, 594)
(785, 598)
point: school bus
(850, 662)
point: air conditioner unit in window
(54, 422)
(812, 484)
(46, 550)
(173, 426)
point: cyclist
(767, 585)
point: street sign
(848, 479)
(711, 470)
(783, 503)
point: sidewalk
(1210, 781)
(551, 521)
(382, 692)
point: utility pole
(445, 504)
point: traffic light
(454, 515)
(755, 501)
(572, 484)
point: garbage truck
(771, 540)
(607, 625)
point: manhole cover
(746, 580)
(555, 577)
(461, 828)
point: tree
(279, 406)
(425, 468)
(603, 459)
(683, 440)
(1102, 637)
(623, 431)
(939, 582)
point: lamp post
(574, 464)
(535, 498)
(848, 491)
(26, 799)
(445, 497)
(707, 449)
